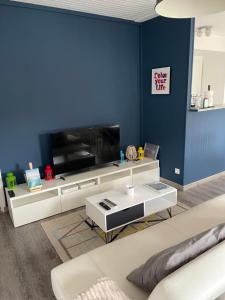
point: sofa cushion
(201, 279)
(148, 275)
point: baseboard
(204, 180)
(193, 184)
(173, 184)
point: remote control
(105, 206)
(11, 193)
(116, 164)
(110, 203)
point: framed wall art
(161, 81)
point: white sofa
(201, 279)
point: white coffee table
(129, 209)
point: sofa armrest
(74, 277)
(201, 279)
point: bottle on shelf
(210, 96)
(196, 101)
(206, 101)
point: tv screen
(86, 148)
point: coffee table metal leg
(109, 235)
(107, 240)
(92, 225)
(169, 210)
(116, 235)
(149, 221)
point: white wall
(213, 42)
(213, 73)
(197, 75)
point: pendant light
(188, 8)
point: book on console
(33, 179)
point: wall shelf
(207, 109)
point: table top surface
(142, 193)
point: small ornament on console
(131, 153)
(33, 178)
(141, 153)
(11, 180)
(122, 157)
(48, 173)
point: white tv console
(57, 196)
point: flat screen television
(83, 149)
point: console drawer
(125, 216)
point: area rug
(71, 236)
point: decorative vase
(131, 153)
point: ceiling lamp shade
(188, 8)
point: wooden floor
(203, 192)
(27, 256)
(26, 260)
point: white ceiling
(217, 22)
(134, 10)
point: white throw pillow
(103, 289)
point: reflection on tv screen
(87, 148)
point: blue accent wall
(193, 142)
(205, 145)
(62, 70)
(166, 43)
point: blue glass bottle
(122, 160)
